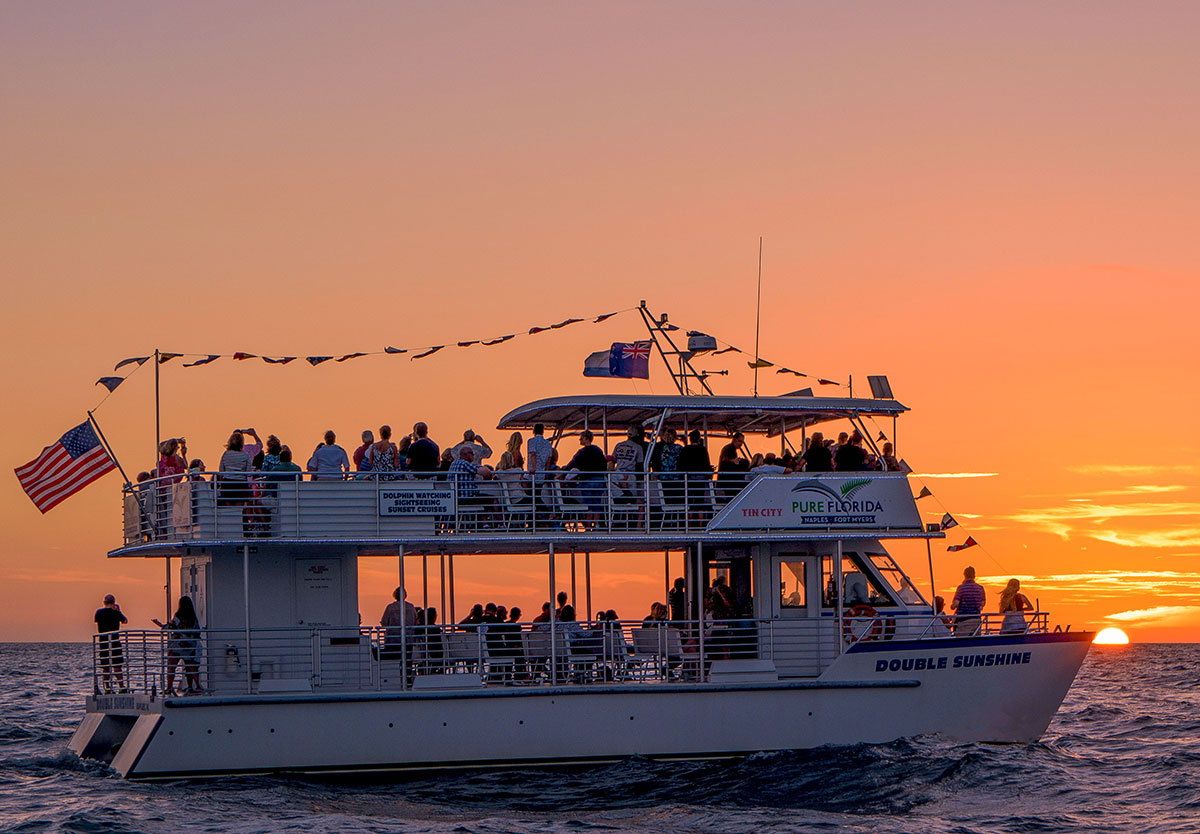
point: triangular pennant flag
(948, 521)
(726, 350)
(599, 319)
(970, 542)
(138, 359)
(760, 363)
(882, 437)
(668, 327)
(498, 341)
(533, 330)
(350, 356)
(564, 323)
(429, 352)
(281, 361)
(110, 382)
(924, 493)
(167, 357)
(789, 371)
(316, 360)
(240, 355)
(390, 349)
(468, 344)
(828, 382)
(212, 357)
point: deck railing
(296, 660)
(386, 505)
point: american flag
(65, 467)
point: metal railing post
(553, 623)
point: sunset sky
(995, 205)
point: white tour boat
(829, 641)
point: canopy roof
(750, 415)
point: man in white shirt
(474, 442)
(538, 451)
(329, 460)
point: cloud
(1133, 469)
(1085, 519)
(1161, 615)
(957, 474)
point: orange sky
(994, 205)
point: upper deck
(517, 511)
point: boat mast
(659, 329)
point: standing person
(329, 461)
(515, 443)
(183, 646)
(383, 457)
(967, 604)
(172, 459)
(270, 461)
(591, 465)
(112, 659)
(539, 455)
(851, 457)
(664, 460)
(236, 463)
(695, 463)
(472, 441)
(628, 457)
(732, 467)
(677, 599)
(361, 462)
(817, 457)
(1012, 604)
(396, 617)
(423, 453)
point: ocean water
(1123, 755)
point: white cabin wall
(277, 596)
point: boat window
(859, 586)
(901, 586)
(792, 578)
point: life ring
(862, 612)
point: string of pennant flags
(111, 382)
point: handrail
(353, 659)
(369, 505)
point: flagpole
(157, 428)
(758, 315)
(157, 485)
(108, 448)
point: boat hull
(872, 693)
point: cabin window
(859, 586)
(901, 586)
(792, 588)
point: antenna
(757, 315)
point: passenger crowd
(524, 472)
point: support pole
(450, 561)
(442, 585)
(403, 624)
(837, 581)
(587, 581)
(932, 583)
(574, 594)
(700, 585)
(667, 570)
(757, 315)
(553, 623)
(246, 612)
(424, 580)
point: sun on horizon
(1111, 637)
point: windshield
(902, 588)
